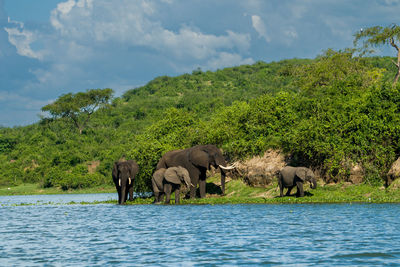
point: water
(197, 235)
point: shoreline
(35, 189)
(239, 193)
(194, 203)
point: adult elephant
(197, 160)
(290, 177)
(166, 181)
(123, 175)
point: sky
(52, 47)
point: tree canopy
(378, 35)
(80, 106)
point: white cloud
(132, 23)
(20, 101)
(105, 43)
(259, 26)
(290, 34)
(392, 2)
(298, 9)
(338, 27)
(22, 39)
(123, 43)
(84, 28)
(227, 59)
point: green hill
(328, 112)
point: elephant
(196, 160)
(165, 181)
(290, 177)
(123, 175)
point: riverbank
(239, 193)
(35, 189)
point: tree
(377, 35)
(80, 106)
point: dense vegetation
(331, 113)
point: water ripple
(198, 235)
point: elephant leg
(202, 186)
(126, 195)
(194, 174)
(156, 197)
(131, 193)
(193, 190)
(119, 194)
(177, 198)
(300, 191)
(288, 191)
(161, 197)
(167, 191)
(202, 183)
(280, 188)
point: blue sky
(52, 47)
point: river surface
(53, 233)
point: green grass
(239, 193)
(35, 189)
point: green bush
(330, 112)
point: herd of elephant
(189, 167)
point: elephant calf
(290, 177)
(165, 181)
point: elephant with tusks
(197, 160)
(123, 175)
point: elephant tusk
(227, 167)
(119, 182)
(130, 180)
(191, 184)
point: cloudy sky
(52, 47)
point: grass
(35, 189)
(239, 193)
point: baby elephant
(167, 180)
(290, 177)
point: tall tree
(80, 106)
(376, 36)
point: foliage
(7, 143)
(330, 113)
(341, 113)
(80, 106)
(377, 35)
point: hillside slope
(328, 113)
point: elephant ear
(301, 173)
(158, 177)
(199, 157)
(133, 168)
(171, 175)
(115, 171)
(184, 176)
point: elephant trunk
(224, 169)
(313, 183)
(123, 194)
(223, 181)
(222, 165)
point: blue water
(197, 235)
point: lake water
(195, 235)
